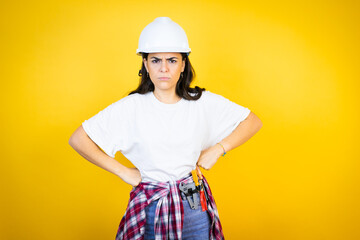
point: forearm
(242, 133)
(83, 145)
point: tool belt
(190, 191)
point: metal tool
(189, 189)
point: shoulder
(213, 100)
(208, 96)
(131, 100)
(126, 104)
(208, 100)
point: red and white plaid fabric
(169, 213)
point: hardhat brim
(155, 50)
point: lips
(164, 78)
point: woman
(166, 129)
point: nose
(164, 66)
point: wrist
(121, 170)
(221, 148)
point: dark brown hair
(183, 88)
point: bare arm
(243, 132)
(83, 144)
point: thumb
(198, 165)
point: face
(164, 69)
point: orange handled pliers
(198, 179)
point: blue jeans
(196, 222)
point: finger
(198, 170)
(202, 166)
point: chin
(165, 87)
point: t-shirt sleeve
(108, 128)
(223, 116)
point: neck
(166, 97)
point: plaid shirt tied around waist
(169, 213)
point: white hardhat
(163, 35)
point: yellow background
(295, 64)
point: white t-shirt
(163, 141)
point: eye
(154, 61)
(173, 61)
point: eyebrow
(167, 58)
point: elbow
(78, 138)
(255, 120)
(75, 142)
(259, 126)
(256, 126)
(72, 140)
(257, 123)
